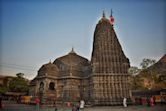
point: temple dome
(72, 64)
(48, 69)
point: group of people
(81, 104)
(150, 101)
(78, 106)
(75, 107)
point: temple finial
(111, 13)
(103, 14)
(112, 19)
(72, 50)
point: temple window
(41, 87)
(52, 86)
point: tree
(18, 84)
(133, 70)
(143, 78)
(149, 75)
(3, 89)
(135, 81)
(147, 62)
(20, 75)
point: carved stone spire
(107, 55)
(109, 65)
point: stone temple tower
(109, 82)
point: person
(148, 101)
(18, 99)
(56, 109)
(151, 101)
(154, 98)
(74, 107)
(133, 100)
(0, 102)
(37, 101)
(162, 100)
(78, 107)
(125, 102)
(82, 104)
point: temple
(109, 78)
(104, 80)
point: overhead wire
(15, 66)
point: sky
(34, 32)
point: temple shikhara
(104, 80)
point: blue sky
(33, 32)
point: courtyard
(12, 106)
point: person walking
(74, 108)
(78, 106)
(56, 109)
(37, 101)
(82, 104)
(148, 101)
(125, 102)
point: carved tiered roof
(109, 79)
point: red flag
(112, 20)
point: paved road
(130, 108)
(23, 107)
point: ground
(12, 106)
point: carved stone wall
(64, 80)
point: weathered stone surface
(109, 77)
(66, 79)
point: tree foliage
(3, 89)
(20, 75)
(18, 84)
(133, 70)
(147, 77)
(147, 62)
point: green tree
(148, 77)
(147, 62)
(148, 74)
(18, 84)
(3, 89)
(133, 70)
(135, 81)
(20, 75)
